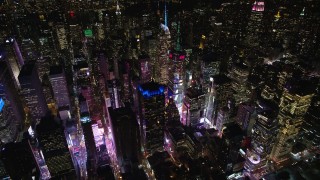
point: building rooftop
(151, 89)
(194, 92)
(27, 69)
(300, 87)
(56, 70)
(221, 79)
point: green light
(88, 33)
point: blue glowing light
(147, 93)
(85, 119)
(1, 104)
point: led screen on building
(1, 104)
(88, 33)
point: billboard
(1, 104)
(88, 33)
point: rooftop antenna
(165, 14)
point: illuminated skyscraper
(162, 65)
(60, 89)
(254, 27)
(32, 91)
(193, 106)
(86, 124)
(239, 74)
(144, 68)
(152, 110)
(62, 36)
(222, 95)
(176, 75)
(263, 136)
(294, 103)
(114, 93)
(14, 59)
(222, 118)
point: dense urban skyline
(159, 89)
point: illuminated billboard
(1, 104)
(88, 33)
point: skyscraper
(163, 62)
(294, 103)
(60, 89)
(126, 136)
(254, 27)
(152, 100)
(263, 136)
(176, 75)
(13, 58)
(86, 124)
(32, 91)
(144, 68)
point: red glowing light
(181, 57)
(71, 13)
(170, 56)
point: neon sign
(181, 57)
(147, 93)
(177, 57)
(1, 104)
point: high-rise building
(60, 90)
(239, 74)
(163, 62)
(222, 119)
(114, 93)
(176, 75)
(210, 66)
(14, 59)
(245, 116)
(43, 66)
(11, 111)
(152, 114)
(255, 27)
(294, 103)
(126, 136)
(86, 124)
(263, 136)
(54, 147)
(144, 68)
(222, 95)
(32, 91)
(62, 36)
(193, 106)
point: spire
(277, 16)
(165, 14)
(258, 6)
(118, 11)
(302, 12)
(178, 46)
